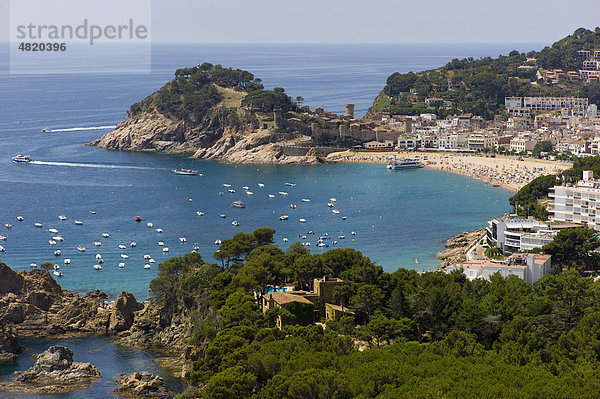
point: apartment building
(579, 203)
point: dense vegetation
(479, 86)
(526, 199)
(193, 93)
(429, 335)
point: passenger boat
(408, 163)
(238, 204)
(22, 159)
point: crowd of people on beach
(512, 173)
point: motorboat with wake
(22, 158)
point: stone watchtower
(350, 110)
(277, 119)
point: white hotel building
(578, 203)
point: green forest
(478, 86)
(422, 335)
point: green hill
(478, 86)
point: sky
(352, 21)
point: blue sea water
(397, 216)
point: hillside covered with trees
(422, 335)
(478, 86)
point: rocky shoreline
(458, 245)
(32, 304)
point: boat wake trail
(77, 129)
(91, 165)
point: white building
(379, 145)
(521, 144)
(478, 142)
(578, 203)
(529, 267)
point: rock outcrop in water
(142, 386)
(53, 372)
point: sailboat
(186, 172)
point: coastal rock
(142, 385)
(9, 344)
(458, 245)
(55, 366)
(121, 316)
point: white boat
(2, 249)
(182, 240)
(161, 243)
(46, 130)
(165, 249)
(196, 247)
(305, 200)
(293, 206)
(200, 213)
(146, 256)
(159, 230)
(238, 204)
(21, 158)
(185, 172)
(81, 249)
(308, 244)
(226, 185)
(98, 256)
(97, 267)
(57, 252)
(341, 237)
(335, 242)
(124, 256)
(97, 243)
(290, 184)
(8, 225)
(246, 188)
(283, 217)
(408, 163)
(190, 200)
(56, 267)
(285, 239)
(20, 218)
(67, 261)
(150, 225)
(121, 265)
(329, 204)
(78, 222)
(38, 224)
(271, 196)
(217, 242)
(53, 231)
(344, 218)
(304, 237)
(121, 246)
(93, 212)
(231, 190)
(33, 264)
(235, 223)
(249, 193)
(302, 220)
(147, 266)
(151, 260)
(353, 233)
(260, 185)
(132, 244)
(283, 193)
(332, 199)
(58, 238)
(62, 217)
(335, 211)
(105, 235)
(57, 273)
(51, 242)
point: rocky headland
(142, 386)
(215, 113)
(457, 246)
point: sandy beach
(511, 172)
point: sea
(396, 218)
